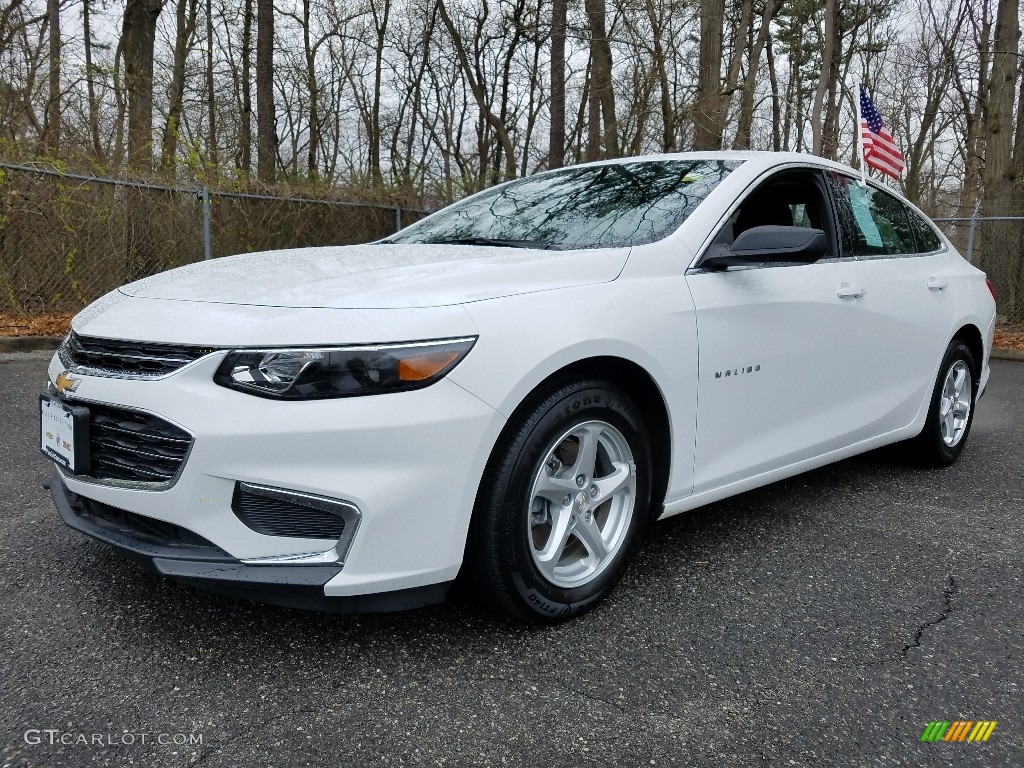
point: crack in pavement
(952, 588)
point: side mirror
(772, 245)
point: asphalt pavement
(821, 621)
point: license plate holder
(64, 434)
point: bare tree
(51, 132)
(477, 88)
(90, 84)
(706, 118)
(746, 115)
(556, 135)
(211, 95)
(245, 118)
(829, 73)
(1002, 251)
(602, 92)
(266, 122)
(138, 37)
(184, 38)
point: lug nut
(593, 491)
(567, 500)
(581, 480)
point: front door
(784, 368)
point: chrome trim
(331, 557)
(356, 347)
(84, 370)
(346, 510)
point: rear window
(874, 223)
(924, 234)
(602, 206)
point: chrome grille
(125, 359)
(134, 446)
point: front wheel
(563, 504)
(951, 411)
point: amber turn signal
(422, 367)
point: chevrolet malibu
(515, 386)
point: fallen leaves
(53, 324)
(1009, 337)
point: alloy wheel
(581, 503)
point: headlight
(323, 372)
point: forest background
(405, 105)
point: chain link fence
(66, 239)
(994, 244)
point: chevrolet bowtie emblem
(65, 383)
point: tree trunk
(773, 79)
(266, 128)
(381, 25)
(974, 134)
(706, 122)
(117, 83)
(90, 86)
(52, 133)
(593, 117)
(312, 86)
(746, 118)
(1017, 204)
(1002, 247)
(601, 72)
(556, 139)
(138, 37)
(245, 119)
(668, 123)
(211, 99)
(826, 78)
(185, 25)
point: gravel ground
(821, 621)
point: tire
(556, 523)
(951, 411)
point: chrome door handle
(936, 284)
(850, 292)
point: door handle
(936, 284)
(847, 291)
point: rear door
(908, 308)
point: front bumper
(409, 462)
(194, 561)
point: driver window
(789, 199)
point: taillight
(991, 289)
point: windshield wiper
(496, 242)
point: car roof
(764, 159)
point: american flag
(880, 151)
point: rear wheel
(951, 411)
(563, 504)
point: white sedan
(515, 386)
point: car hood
(380, 276)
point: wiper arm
(495, 242)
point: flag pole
(860, 136)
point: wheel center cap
(582, 503)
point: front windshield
(604, 206)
